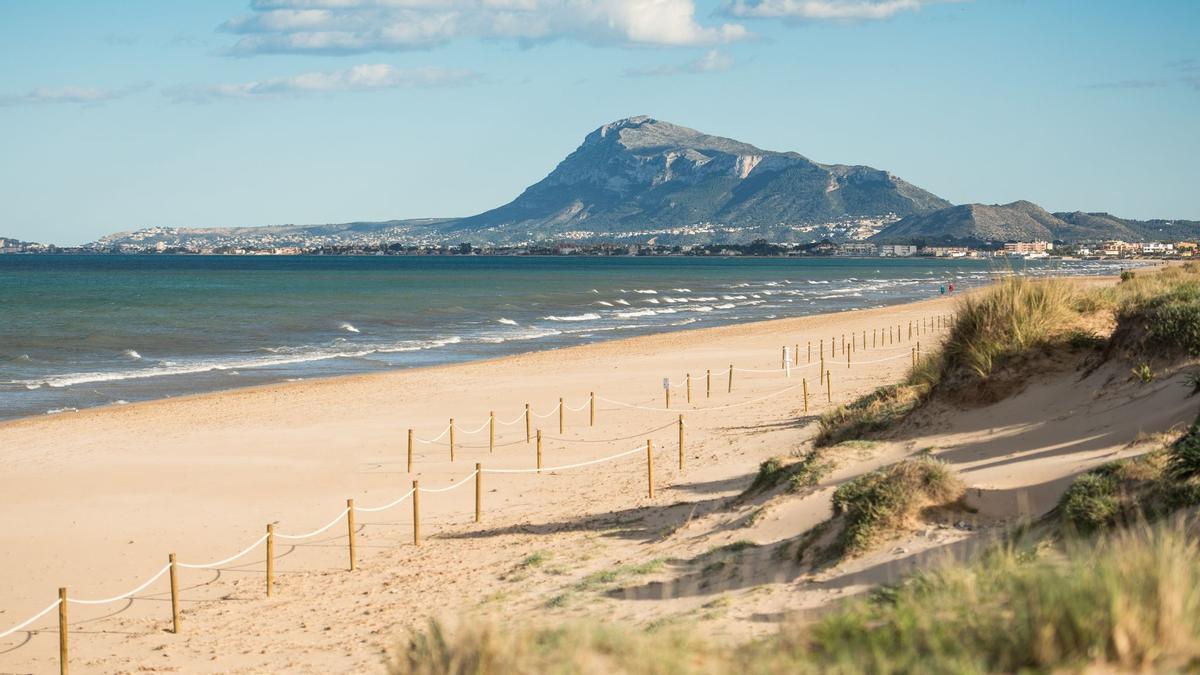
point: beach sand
(96, 500)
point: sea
(80, 331)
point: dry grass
(1128, 602)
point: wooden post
(848, 360)
(707, 383)
(350, 533)
(864, 338)
(873, 331)
(491, 431)
(560, 416)
(730, 390)
(689, 387)
(783, 358)
(174, 595)
(650, 468)
(796, 360)
(681, 442)
(910, 330)
(526, 422)
(539, 450)
(844, 343)
(810, 351)
(913, 354)
(416, 495)
(410, 443)
(918, 351)
(592, 409)
(821, 348)
(451, 439)
(62, 631)
(828, 387)
(270, 557)
(804, 383)
(822, 371)
(478, 492)
(667, 393)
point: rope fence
(927, 324)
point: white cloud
(70, 94)
(827, 10)
(712, 62)
(361, 78)
(352, 26)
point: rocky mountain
(1026, 221)
(640, 174)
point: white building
(897, 250)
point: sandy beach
(96, 500)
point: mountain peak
(643, 133)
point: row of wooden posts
(826, 379)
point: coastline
(96, 499)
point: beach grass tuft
(879, 504)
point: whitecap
(645, 291)
(638, 312)
(652, 300)
(602, 302)
(507, 322)
(348, 328)
(622, 302)
(590, 316)
(131, 354)
(728, 305)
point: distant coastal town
(1112, 249)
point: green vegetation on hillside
(1127, 601)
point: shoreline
(720, 331)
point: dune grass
(1135, 490)
(880, 503)
(1129, 601)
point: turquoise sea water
(80, 331)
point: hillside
(640, 172)
(1026, 221)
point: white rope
(518, 418)
(552, 411)
(30, 620)
(385, 507)
(568, 466)
(890, 358)
(716, 407)
(475, 431)
(447, 489)
(227, 560)
(317, 531)
(126, 594)
(582, 407)
(436, 438)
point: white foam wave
(635, 313)
(348, 327)
(602, 302)
(590, 316)
(728, 305)
(645, 291)
(622, 302)
(506, 322)
(131, 354)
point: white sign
(666, 383)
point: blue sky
(122, 115)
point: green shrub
(1183, 458)
(1091, 502)
(770, 474)
(874, 412)
(879, 503)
